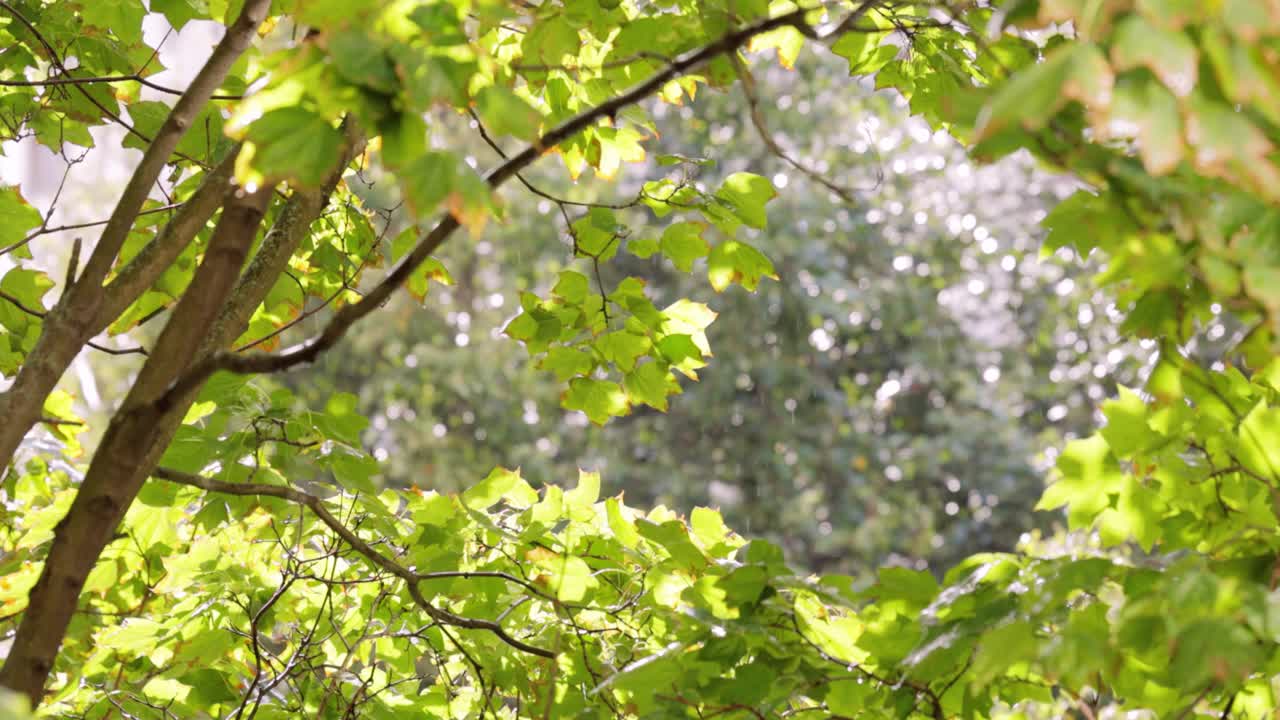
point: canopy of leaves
(230, 550)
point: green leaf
(361, 60)
(501, 484)
(1213, 648)
(836, 635)
(643, 248)
(585, 495)
(1260, 442)
(664, 196)
(441, 24)
(334, 13)
(1086, 473)
(546, 513)
(404, 135)
(682, 354)
(29, 288)
(537, 328)
(427, 181)
(685, 317)
(864, 51)
(429, 80)
(1004, 647)
(787, 40)
(440, 177)
(1146, 106)
(683, 244)
(123, 17)
(734, 261)
(60, 405)
(567, 362)
(342, 419)
(746, 194)
(1086, 221)
(166, 690)
(598, 399)
(289, 143)
(550, 42)
(1136, 516)
(597, 233)
(355, 471)
(673, 537)
(650, 384)
(1169, 54)
(623, 348)
(848, 696)
(17, 218)
(1127, 431)
(209, 687)
(403, 243)
(621, 526)
(572, 287)
(180, 12)
(204, 140)
(570, 577)
(708, 526)
(506, 113)
(1075, 71)
(429, 271)
(915, 589)
(742, 586)
(435, 510)
(609, 147)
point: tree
(226, 553)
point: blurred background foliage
(895, 399)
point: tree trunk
(120, 464)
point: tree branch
(137, 436)
(135, 77)
(125, 453)
(197, 95)
(310, 349)
(762, 129)
(157, 255)
(291, 225)
(41, 314)
(45, 230)
(70, 324)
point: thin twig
(316, 505)
(55, 81)
(41, 314)
(762, 129)
(562, 202)
(78, 226)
